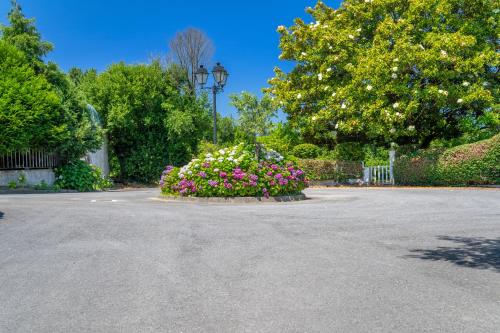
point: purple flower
(266, 193)
(213, 183)
(299, 172)
(252, 183)
(223, 174)
(238, 174)
(202, 174)
(283, 181)
(253, 178)
(274, 167)
(228, 185)
(272, 183)
(270, 173)
(278, 176)
(206, 165)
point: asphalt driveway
(348, 260)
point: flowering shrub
(234, 172)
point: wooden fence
(30, 159)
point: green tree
(149, 119)
(31, 114)
(23, 34)
(391, 70)
(254, 115)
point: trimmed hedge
(339, 171)
(471, 164)
(306, 150)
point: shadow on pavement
(1, 215)
(478, 252)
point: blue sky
(95, 34)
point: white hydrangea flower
(394, 75)
(208, 155)
(299, 96)
(444, 53)
(395, 105)
(190, 172)
(395, 68)
(398, 114)
(343, 106)
(334, 94)
(329, 69)
(369, 87)
(392, 130)
(351, 36)
(222, 151)
(320, 76)
(465, 84)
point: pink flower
(270, 173)
(213, 183)
(202, 174)
(274, 167)
(223, 174)
(278, 176)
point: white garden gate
(380, 174)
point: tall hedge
(471, 164)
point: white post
(392, 159)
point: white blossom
(334, 94)
(337, 126)
(329, 69)
(320, 76)
(369, 87)
(411, 128)
(395, 68)
(351, 36)
(395, 105)
(460, 101)
(394, 75)
(392, 130)
(444, 53)
(343, 106)
(358, 30)
(465, 84)
(299, 96)
(304, 54)
(395, 59)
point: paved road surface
(348, 260)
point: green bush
(306, 150)
(348, 151)
(12, 185)
(470, 164)
(339, 171)
(81, 176)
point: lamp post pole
(220, 77)
(214, 101)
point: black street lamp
(220, 78)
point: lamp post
(220, 78)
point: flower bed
(234, 172)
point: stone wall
(33, 177)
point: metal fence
(30, 159)
(379, 175)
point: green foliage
(149, 120)
(281, 138)
(80, 176)
(42, 186)
(254, 115)
(234, 172)
(21, 179)
(391, 71)
(470, 164)
(375, 155)
(349, 151)
(306, 150)
(31, 115)
(339, 171)
(23, 34)
(12, 185)
(226, 128)
(39, 105)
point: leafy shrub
(470, 164)
(306, 150)
(375, 155)
(339, 171)
(234, 172)
(348, 151)
(81, 176)
(12, 185)
(42, 186)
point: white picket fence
(380, 174)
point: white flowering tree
(405, 71)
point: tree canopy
(391, 70)
(150, 121)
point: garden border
(283, 198)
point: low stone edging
(284, 198)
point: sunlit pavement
(347, 260)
